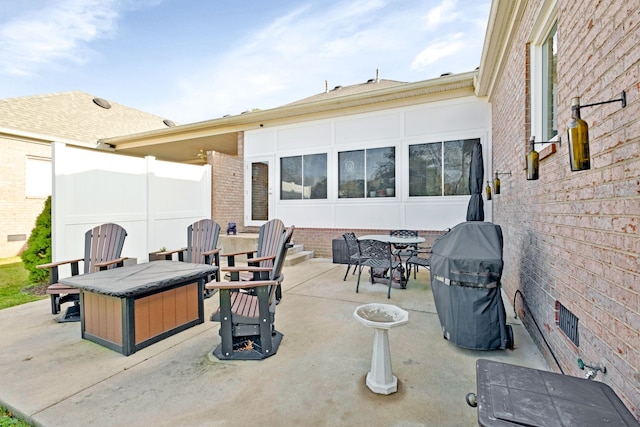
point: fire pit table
(132, 307)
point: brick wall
(227, 187)
(573, 237)
(19, 213)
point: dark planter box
(339, 251)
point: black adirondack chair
(202, 239)
(102, 249)
(268, 245)
(247, 329)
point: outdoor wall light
(533, 158)
(578, 133)
(496, 182)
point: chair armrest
(211, 252)
(53, 266)
(174, 251)
(262, 258)
(106, 264)
(56, 264)
(240, 285)
(241, 268)
(239, 253)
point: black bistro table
(132, 307)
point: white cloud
(60, 30)
(290, 59)
(443, 13)
(437, 50)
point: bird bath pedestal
(381, 317)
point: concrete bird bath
(381, 317)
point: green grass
(13, 279)
(7, 419)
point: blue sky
(194, 60)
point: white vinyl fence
(155, 201)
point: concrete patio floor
(51, 377)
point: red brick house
(572, 243)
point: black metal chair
(420, 258)
(377, 255)
(354, 252)
(404, 252)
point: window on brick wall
(303, 177)
(37, 177)
(544, 75)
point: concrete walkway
(51, 377)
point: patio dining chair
(404, 252)
(353, 251)
(420, 258)
(378, 257)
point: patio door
(260, 191)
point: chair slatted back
(202, 236)
(269, 240)
(352, 243)
(375, 253)
(102, 243)
(278, 263)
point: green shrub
(39, 246)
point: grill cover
(466, 268)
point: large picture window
(303, 177)
(440, 168)
(367, 173)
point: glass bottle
(488, 191)
(578, 136)
(496, 185)
(533, 159)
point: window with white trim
(367, 173)
(303, 177)
(544, 75)
(440, 168)
(37, 177)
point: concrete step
(295, 249)
(297, 257)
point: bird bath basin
(381, 317)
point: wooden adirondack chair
(102, 248)
(246, 319)
(268, 245)
(202, 242)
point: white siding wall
(461, 118)
(154, 201)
